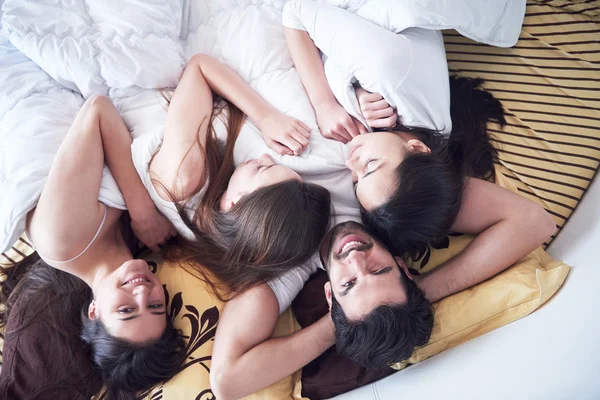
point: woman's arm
(148, 224)
(68, 214)
(334, 122)
(245, 354)
(282, 133)
(178, 165)
(508, 227)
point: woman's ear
(404, 267)
(416, 146)
(228, 201)
(328, 293)
(93, 311)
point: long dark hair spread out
(263, 235)
(84, 356)
(427, 199)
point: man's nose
(358, 259)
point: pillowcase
(195, 311)
(508, 296)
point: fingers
(359, 126)
(303, 129)
(279, 148)
(173, 231)
(374, 106)
(367, 97)
(341, 134)
(291, 143)
(301, 139)
(371, 97)
(338, 137)
(379, 114)
(388, 122)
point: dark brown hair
(51, 300)
(88, 356)
(427, 199)
(263, 235)
(388, 334)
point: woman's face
(130, 302)
(253, 175)
(373, 160)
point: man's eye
(125, 310)
(155, 306)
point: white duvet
(55, 53)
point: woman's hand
(152, 229)
(284, 134)
(335, 123)
(377, 111)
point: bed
(549, 152)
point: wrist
(264, 114)
(324, 101)
(141, 209)
(327, 331)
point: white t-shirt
(408, 69)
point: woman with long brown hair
(242, 218)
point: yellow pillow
(195, 312)
(508, 296)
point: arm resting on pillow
(246, 359)
(508, 226)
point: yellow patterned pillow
(195, 311)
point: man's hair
(427, 187)
(389, 333)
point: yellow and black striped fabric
(16, 253)
(549, 85)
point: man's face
(362, 274)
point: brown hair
(425, 203)
(264, 234)
(38, 298)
